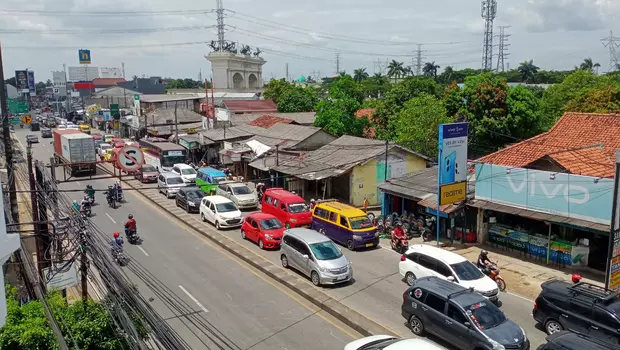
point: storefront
(559, 219)
(192, 144)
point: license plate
(369, 244)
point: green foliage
(275, 88)
(346, 87)
(360, 74)
(375, 86)
(418, 124)
(604, 99)
(453, 99)
(297, 99)
(337, 117)
(184, 84)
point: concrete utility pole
(220, 24)
(123, 67)
(418, 62)
(503, 48)
(8, 145)
(338, 64)
(288, 78)
(612, 42)
(489, 11)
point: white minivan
(220, 211)
(422, 260)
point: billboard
(452, 163)
(32, 85)
(84, 56)
(110, 72)
(83, 73)
(21, 81)
(59, 80)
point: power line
(489, 11)
(612, 42)
(503, 48)
(105, 13)
(102, 31)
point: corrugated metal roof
(303, 118)
(416, 185)
(166, 97)
(163, 115)
(250, 105)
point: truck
(75, 151)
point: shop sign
(612, 278)
(453, 193)
(574, 196)
(188, 145)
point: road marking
(193, 299)
(520, 297)
(143, 251)
(77, 182)
(108, 215)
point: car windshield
(175, 180)
(225, 207)
(241, 190)
(105, 146)
(218, 179)
(148, 169)
(485, 315)
(325, 250)
(270, 224)
(169, 161)
(359, 222)
(195, 194)
(296, 208)
(188, 171)
(467, 271)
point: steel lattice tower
(503, 48)
(220, 25)
(489, 10)
(611, 42)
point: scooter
(112, 201)
(119, 256)
(91, 200)
(400, 245)
(86, 211)
(493, 272)
(132, 236)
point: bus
(162, 154)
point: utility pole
(35, 211)
(612, 42)
(220, 25)
(503, 48)
(8, 144)
(83, 265)
(44, 237)
(387, 151)
(489, 11)
(418, 63)
(287, 76)
(176, 124)
(123, 67)
(337, 63)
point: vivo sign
(574, 196)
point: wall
(365, 177)
(574, 196)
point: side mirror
(451, 279)
(467, 324)
(305, 256)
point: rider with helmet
(89, 192)
(576, 278)
(116, 244)
(131, 225)
(399, 233)
(483, 261)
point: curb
(343, 313)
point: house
(250, 106)
(152, 85)
(558, 186)
(266, 121)
(349, 169)
(301, 118)
(152, 102)
(104, 83)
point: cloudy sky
(44, 34)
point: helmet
(576, 278)
(116, 234)
(89, 186)
(75, 202)
(312, 200)
(484, 252)
(130, 216)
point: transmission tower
(489, 10)
(612, 42)
(503, 48)
(418, 61)
(220, 25)
(338, 64)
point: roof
(107, 81)
(218, 199)
(154, 98)
(211, 171)
(444, 288)
(151, 85)
(282, 193)
(284, 135)
(261, 216)
(183, 166)
(444, 255)
(167, 116)
(171, 128)
(416, 185)
(302, 118)
(267, 121)
(582, 143)
(307, 235)
(240, 106)
(344, 208)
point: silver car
(314, 255)
(239, 193)
(169, 184)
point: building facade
(236, 72)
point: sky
(306, 35)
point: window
(343, 222)
(435, 302)
(226, 207)
(456, 314)
(240, 190)
(413, 257)
(298, 208)
(162, 178)
(605, 318)
(580, 308)
(175, 180)
(333, 217)
(427, 262)
(326, 250)
(212, 207)
(286, 240)
(360, 222)
(188, 171)
(276, 202)
(443, 269)
(467, 271)
(176, 170)
(268, 200)
(248, 220)
(270, 224)
(485, 315)
(253, 223)
(322, 213)
(222, 187)
(303, 248)
(294, 243)
(283, 206)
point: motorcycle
(493, 272)
(400, 245)
(119, 256)
(112, 201)
(86, 211)
(118, 193)
(132, 236)
(91, 200)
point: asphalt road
(209, 297)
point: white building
(236, 72)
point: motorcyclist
(84, 205)
(109, 193)
(131, 225)
(483, 261)
(116, 244)
(90, 192)
(398, 232)
(76, 206)
(118, 191)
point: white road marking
(143, 251)
(77, 182)
(108, 215)
(520, 297)
(193, 299)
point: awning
(400, 191)
(536, 215)
(431, 203)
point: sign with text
(612, 279)
(453, 153)
(453, 193)
(58, 280)
(32, 85)
(84, 56)
(21, 81)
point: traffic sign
(27, 119)
(130, 158)
(56, 91)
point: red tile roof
(107, 81)
(266, 121)
(582, 143)
(251, 106)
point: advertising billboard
(32, 85)
(21, 81)
(59, 80)
(83, 73)
(109, 72)
(452, 162)
(84, 56)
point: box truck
(76, 151)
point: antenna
(489, 11)
(220, 25)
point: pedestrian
(365, 205)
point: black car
(46, 133)
(189, 198)
(567, 340)
(581, 307)
(459, 316)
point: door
(295, 257)
(212, 212)
(605, 327)
(426, 266)
(433, 314)
(181, 200)
(267, 206)
(305, 263)
(456, 332)
(255, 230)
(161, 182)
(578, 315)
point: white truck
(76, 151)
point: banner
(452, 162)
(21, 81)
(32, 85)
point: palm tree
(395, 69)
(360, 74)
(449, 74)
(588, 64)
(430, 69)
(528, 71)
(408, 71)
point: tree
(588, 64)
(49, 82)
(297, 99)
(337, 117)
(395, 69)
(430, 69)
(453, 99)
(11, 81)
(344, 87)
(528, 71)
(448, 76)
(418, 124)
(360, 74)
(603, 99)
(275, 88)
(375, 86)
(40, 88)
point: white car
(220, 211)
(186, 172)
(103, 147)
(422, 260)
(388, 342)
(73, 127)
(61, 126)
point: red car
(264, 229)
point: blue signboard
(453, 146)
(106, 116)
(575, 196)
(31, 83)
(84, 56)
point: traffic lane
(237, 300)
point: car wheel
(315, 278)
(217, 225)
(409, 278)
(416, 325)
(287, 225)
(243, 234)
(553, 326)
(202, 217)
(350, 245)
(261, 245)
(284, 261)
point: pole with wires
(8, 144)
(35, 211)
(83, 266)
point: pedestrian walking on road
(365, 205)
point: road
(209, 297)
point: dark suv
(582, 307)
(459, 316)
(567, 340)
